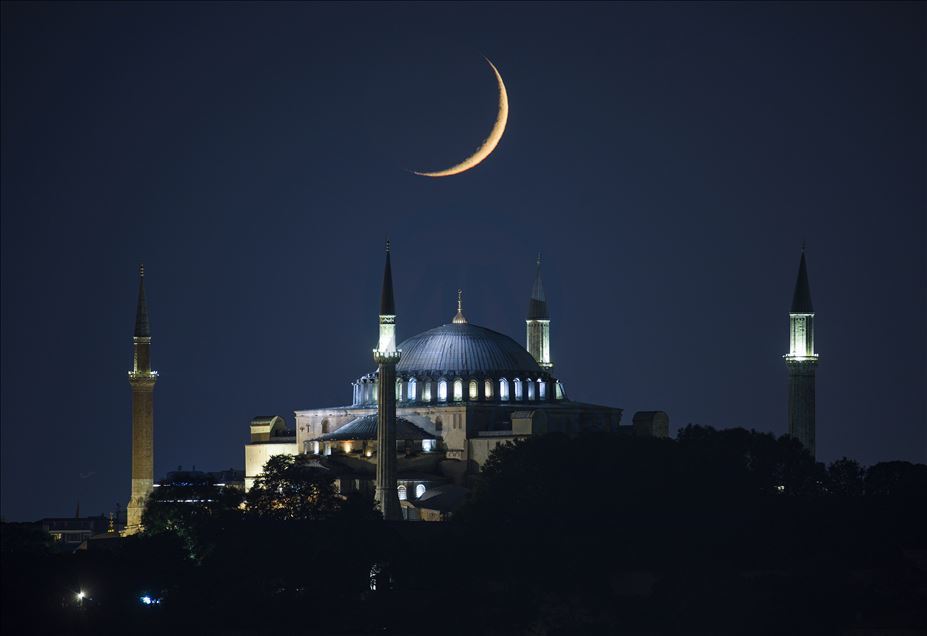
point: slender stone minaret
(802, 360)
(538, 323)
(386, 355)
(142, 379)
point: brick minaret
(802, 361)
(142, 379)
(386, 355)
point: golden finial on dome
(459, 318)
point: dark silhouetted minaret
(801, 360)
(538, 323)
(386, 355)
(142, 379)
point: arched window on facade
(398, 390)
(442, 390)
(474, 390)
(503, 389)
(439, 424)
(411, 393)
(426, 391)
(559, 390)
(419, 490)
(518, 389)
(531, 386)
(402, 493)
(307, 447)
(458, 390)
(324, 427)
(487, 389)
(542, 389)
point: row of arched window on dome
(412, 390)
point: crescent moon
(489, 144)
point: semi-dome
(465, 349)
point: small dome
(465, 349)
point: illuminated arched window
(426, 391)
(402, 493)
(530, 383)
(419, 490)
(458, 390)
(474, 390)
(518, 392)
(442, 390)
(542, 389)
(487, 389)
(503, 389)
(398, 390)
(307, 447)
(559, 390)
(411, 392)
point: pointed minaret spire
(387, 304)
(538, 322)
(142, 327)
(459, 318)
(801, 299)
(537, 306)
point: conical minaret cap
(801, 299)
(537, 306)
(142, 327)
(387, 304)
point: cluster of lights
(148, 600)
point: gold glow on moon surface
(489, 144)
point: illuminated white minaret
(801, 360)
(538, 323)
(386, 355)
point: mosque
(460, 390)
(441, 401)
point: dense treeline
(714, 532)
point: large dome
(465, 349)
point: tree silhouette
(296, 487)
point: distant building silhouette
(802, 360)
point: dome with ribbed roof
(465, 349)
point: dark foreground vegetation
(718, 532)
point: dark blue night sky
(667, 159)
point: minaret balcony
(387, 356)
(143, 376)
(794, 357)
